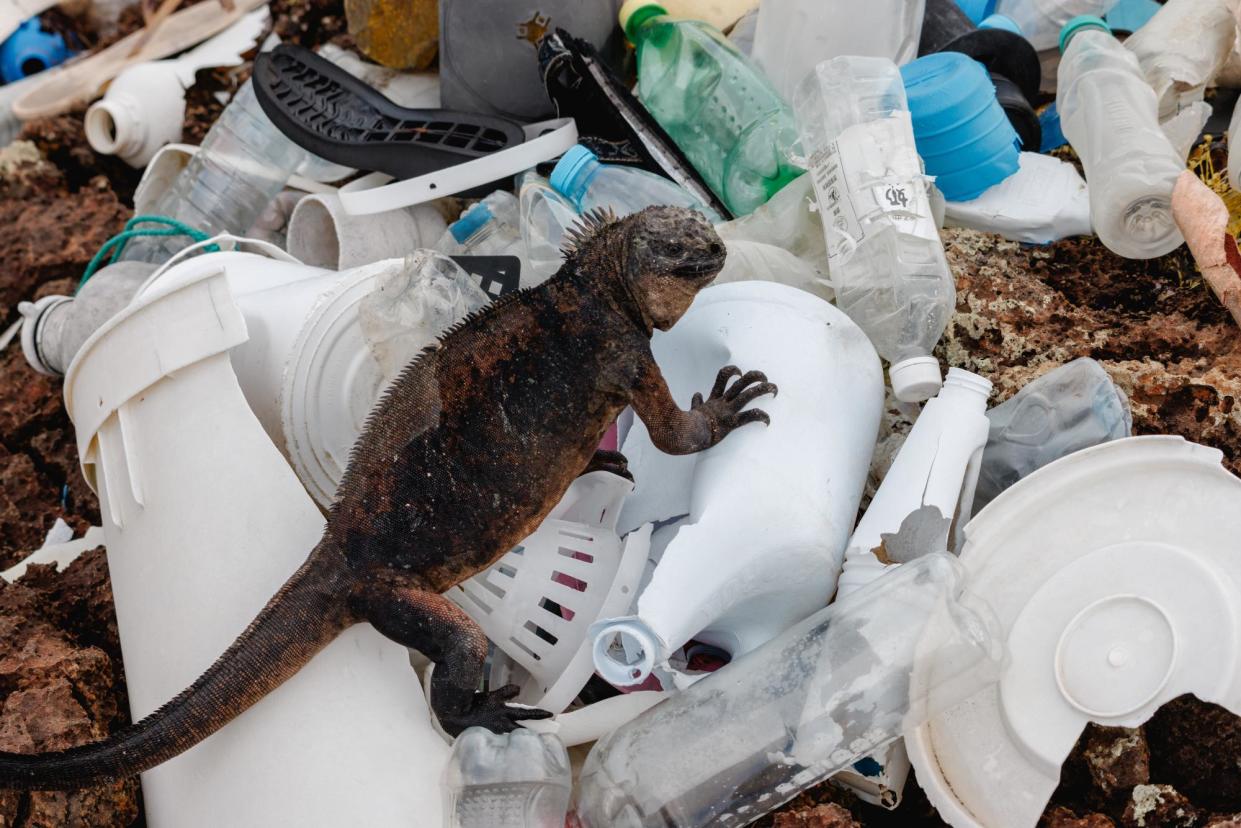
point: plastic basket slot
(576, 554)
(556, 610)
(541, 632)
(506, 569)
(533, 643)
(495, 589)
(521, 645)
(566, 533)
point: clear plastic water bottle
(1042, 20)
(883, 249)
(545, 215)
(492, 227)
(590, 184)
(1109, 113)
(242, 164)
(752, 735)
(507, 780)
(718, 106)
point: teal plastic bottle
(718, 106)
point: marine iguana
(463, 456)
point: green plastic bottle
(718, 106)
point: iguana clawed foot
(492, 711)
(609, 461)
(723, 409)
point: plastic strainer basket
(538, 601)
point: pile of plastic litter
(1007, 594)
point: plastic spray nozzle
(30, 50)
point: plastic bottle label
(872, 169)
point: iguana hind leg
(438, 629)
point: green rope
(116, 244)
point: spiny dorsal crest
(587, 226)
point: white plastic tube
(937, 466)
(204, 521)
(323, 234)
(767, 511)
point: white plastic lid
(32, 317)
(916, 379)
(1115, 576)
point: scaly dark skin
(464, 456)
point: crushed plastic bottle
(1182, 48)
(719, 108)
(749, 737)
(1042, 20)
(1074, 407)
(792, 36)
(590, 184)
(492, 227)
(507, 780)
(242, 164)
(1109, 114)
(884, 254)
(545, 216)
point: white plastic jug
(204, 521)
(764, 515)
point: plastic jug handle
(459, 177)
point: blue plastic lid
(1085, 21)
(976, 10)
(1131, 15)
(30, 50)
(470, 221)
(962, 133)
(567, 177)
(1001, 21)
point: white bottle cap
(915, 379)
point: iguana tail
(306, 614)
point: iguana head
(670, 254)
(666, 255)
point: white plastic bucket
(204, 521)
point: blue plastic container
(962, 133)
(1001, 21)
(30, 50)
(1053, 135)
(976, 10)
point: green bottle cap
(636, 12)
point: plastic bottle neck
(640, 17)
(575, 181)
(113, 127)
(967, 387)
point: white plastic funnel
(537, 602)
(204, 521)
(1115, 575)
(769, 508)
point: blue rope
(116, 244)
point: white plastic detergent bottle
(1109, 113)
(883, 249)
(590, 184)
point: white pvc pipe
(323, 234)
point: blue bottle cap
(962, 133)
(1001, 21)
(565, 176)
(1085, 21)
(1053, 134)
(470, 221)
(30, 50)
(976, 10)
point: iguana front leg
(708, 421)
(437, 628)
